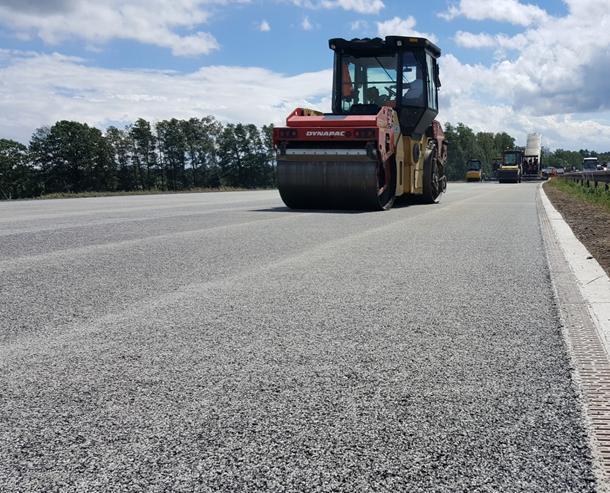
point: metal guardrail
(593, 179)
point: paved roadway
(220, 342)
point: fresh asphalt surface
(221, 342)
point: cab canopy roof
(375, 46)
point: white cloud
(402, 27)
(264, 27)
(511, 11)
(566, 131)
(306, 25)
(472, 94)
(359, 25)
(484, 40)
(360, 6)
(40, 89)
(561, 66)
(557, 83)
(167, 23)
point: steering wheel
(391, 91)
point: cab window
(412, 81)
(432, 92)
(367, 81)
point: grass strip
(70, 195)
(591, 195)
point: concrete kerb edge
(558, 263)
(593, 282)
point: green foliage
(465, 144)
(245, 156)
(594, 195)
(561, 158)
(17, 176)
(72, 158)
(135, 192)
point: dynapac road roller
(381, 140)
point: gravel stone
(221, 342)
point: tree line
(560, 158)
(171, 155)
(465, 144)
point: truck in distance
(590, 164)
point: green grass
(592, 195)
(136, 192)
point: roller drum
(330, 183)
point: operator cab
(512, 158)
(400, 72)
(474, 165)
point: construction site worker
(372, 96)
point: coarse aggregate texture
(221, 342)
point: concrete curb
(582, 312)
(592, 280)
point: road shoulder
(582, 291)
(589, 219)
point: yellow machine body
(473, 175)
(410, 172)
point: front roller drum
(354, 184)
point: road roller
(474, 170)
(380, 143)
(511, 167)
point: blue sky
(507, 65)
(286, 47)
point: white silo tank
(534, 145)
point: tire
(433, 177)
(387, 197)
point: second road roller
(381, 141)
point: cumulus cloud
(39, 89)
(306, 25)
(402, 27)
(511, 11)
(566, 131)
(484, 40)
(360, 6)
(560, 66)
(470, 95)
(359, 25)
(167, 23)
(556, 82)
(264, 27)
